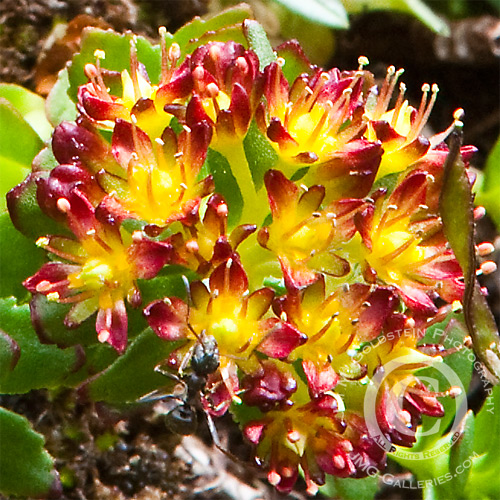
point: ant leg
(217, 443)
(159, 369)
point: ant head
(205, 359)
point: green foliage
(488, 191)
(258, 42)
(27, 469)
(31, 107)
(59, 106)
(468, 470)
(19, 144)
(458, 223)
(331, 13)
(415, 8)
(39, 366)
(19, 259)
(132, 375)
(351, 489)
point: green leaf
(461, 452)
(26, 214)
(328, 12)
(488, 194)
(117, 56)
(296, 61)
(59, 106)
(416, 8)
(19, 259)
(19, 144)
(261, 156)
(132, 375)
(27, 469)
(458, 223)
(31, 107)
(484, 480)
(259, 43)
(350, 489)
(461, 364)
(225, 184)
(40, 366)
(223, 27)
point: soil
(109, 453)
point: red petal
(280, 339)
(55, 275)
(319, 380)
(74, 143)
(253, 431)
(229, 277)
(149, 257)
(111, 325)
(281, 192)
(100, 109)
(240, 109)
(168, 318)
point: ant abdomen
(182, 420)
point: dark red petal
(351, 171)
(72, 143)
(61, 183)
(229, 277)
(179, 86)
(149, 257)
(111, 325)
(51, 277)
(241, 233)
(268, 387)
(281, 192)
(253, 431)
(126, 143)
(417, 300)
(424, 401)
(275, 86)
(288, 473)
(319, 379)
(97, 108)
(215, 219)
(240, 109)
(278, 133)
(280, 339)
(168, 318)
(379, 305)
(410, 193)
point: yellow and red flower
(98, 270)
(404, 247)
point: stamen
(487, 267)
(380, 109)
(362, 61)
(485, 248)
(398, 105)
(162, 31)
(103, 336)
(63, 205)
(479, 212)
(424, 111)
(134, 68)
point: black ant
(183, 403)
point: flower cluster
(336, 244)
